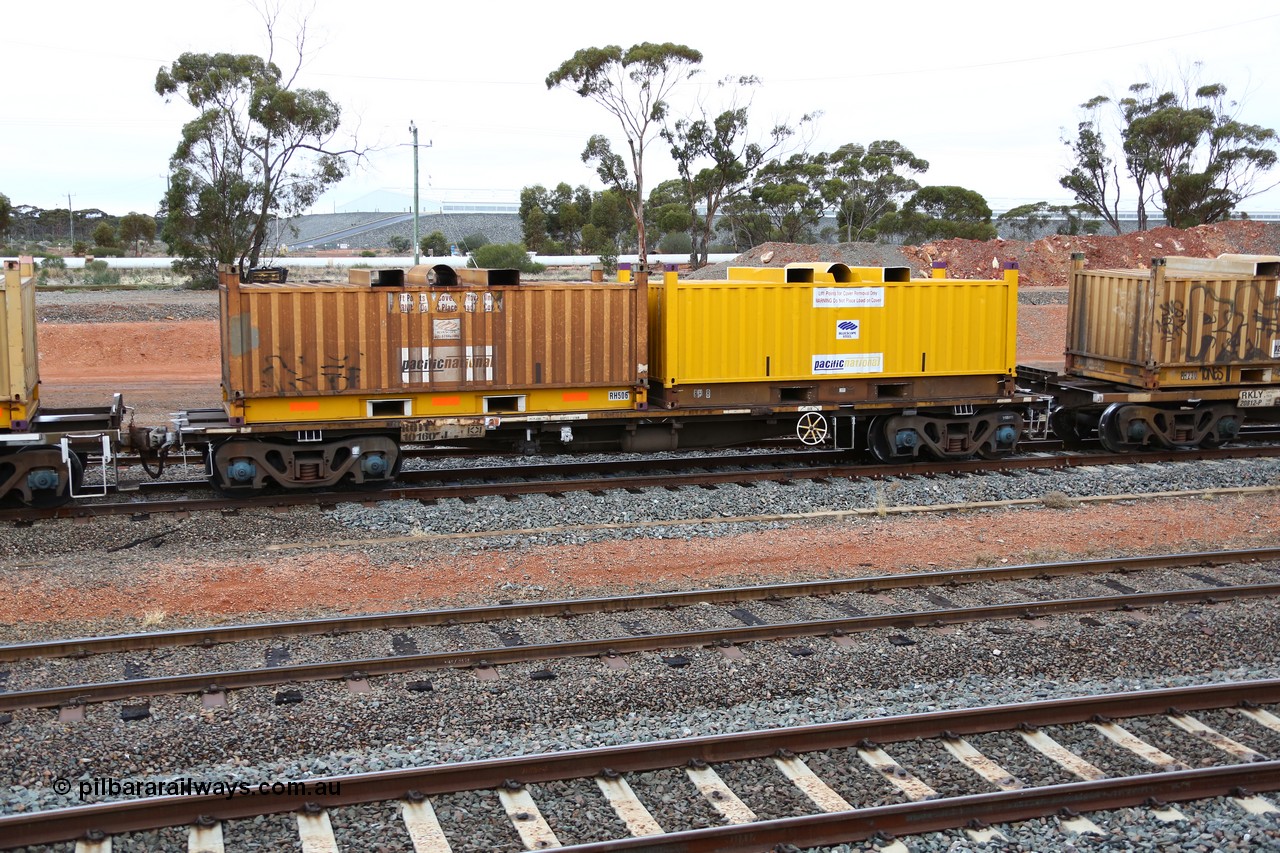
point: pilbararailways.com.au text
(187, 787)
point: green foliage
(258, 149)
(611, 224)
(399, 243)
(99, 274)
(788, 196)
(675, 242)
(434, 245)
(368, 253)
(864, 183)
(1184, 151)
(1028, 220)
(717, 163)
(632, 86)
(105, 252)
(104, 235)
(472, 242)
(53, 262)
(79, 247)
(6, 212)
(137, 228)
(940, 213)
(554, 217)
(505, 256)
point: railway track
(471, 483)
(845, 607)
(978, 770)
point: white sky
(983, 91)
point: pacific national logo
(863, 362)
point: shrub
(368, 253)
(399, 243)
(505, 256)
(675, 243)
(98, 273)
(471, 242)
(434, 245)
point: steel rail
(57, 825)
(646, 481)
(954, 812)
(79, 694)
(564, 608)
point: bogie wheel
(1109, 431)
(60, 494)
(988, 451)
(812, 429)
(1066, 425)
(878, 440)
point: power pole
(71, 216)
(413, 128)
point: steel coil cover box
(309, 339)
(725, 332)
(1183, 323)
(19, 370)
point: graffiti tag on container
(1228, 331)
(331, 375)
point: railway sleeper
(990, 434)
(249, 464)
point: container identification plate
(441, 429)
(616, 396)
(1259, 397)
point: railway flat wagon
(1177, 355)
(42, 450)
(351, 370)
(19, 368)
(932, 361)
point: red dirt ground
(340, 580)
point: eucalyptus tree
(260, 148)
(633, 86)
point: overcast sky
(983, 91)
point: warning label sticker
(848, 297)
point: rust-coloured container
(1184, 323)
(382, 348)
(19, 368)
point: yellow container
(822, 272)
(19, 370)
(1183, 323)
(823, 338)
